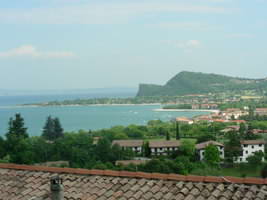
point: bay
(74, 118)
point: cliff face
(198, 83)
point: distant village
(231, 116)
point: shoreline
(185, 110)
(76, 105)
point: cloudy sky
(68, 44)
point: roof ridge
(174, 177)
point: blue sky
(68, 44)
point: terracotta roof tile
(203, 145)
(253, 142)
(25, 182)
(164, 143)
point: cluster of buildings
(164, 147)
(229, 115)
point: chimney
(57, 189)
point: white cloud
(31, 51)
(184, 44)
(100, 13)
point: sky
(71, 44)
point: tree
(232, 146)
(146, 149)
(256, 159)
(58, 128)
(16, 143)
(52, 129)
(187, 148)
(16, 127)
(212, 155)
(2, 148)
(205, 138)
(177, 134)
(264, 171)
(48, 130)
(167, 135)
(242, 129)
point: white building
(163, 147)
(201, 148)
(249, 147)
(184, 120)
(134, 145)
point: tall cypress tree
(168, 135)
(177, 135)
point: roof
(128, 143)
(203, 145)
(184, 119)
(261, 109)
(253, 142)
(23, 182)
(164, 143)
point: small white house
(184, 120)
(249, 147)
(163, 147)
(134, 145)
(201, 148)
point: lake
(74, 118)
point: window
(246, 152)
(245, 145)
(260, 145)
(252, 146)
(240, 159)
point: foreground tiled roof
(22, 182)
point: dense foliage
(94, 149)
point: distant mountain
(200, 83)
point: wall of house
(249, 150)
(202, 152)
(162, 150)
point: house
(134, 145)
(184, 120)
(201, 148)
(25, 182)
(235, 113)
(163, 147)
(209, 106)
(249, 147)
(231, 128)
(260, 111)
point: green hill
(200, 83)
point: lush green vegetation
(200, 83)
(82, 149)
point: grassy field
(243, 170)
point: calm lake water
(74, 118)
